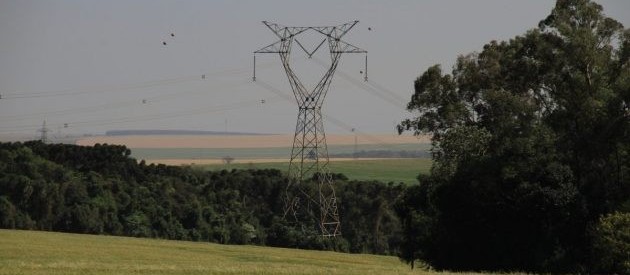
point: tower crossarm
(336, 31)
(286, 35)
(275, 47)
(284, 32)
(344, 47)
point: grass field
(385, 170)
(33, 252)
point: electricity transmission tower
(309, 156)
(44, 131)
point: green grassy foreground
(35, 252)
(385, 170)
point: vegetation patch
(33, 252)
(384, 170)
(101, 190)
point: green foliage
(531, 143)
(372, 225)
(101, 190)
(383, 170)
(418, 222)
(612, 243)
(8, 213)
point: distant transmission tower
(44, 131)
(309, 156)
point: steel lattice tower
(309, 156)
(44, 131)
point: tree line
(102, 190)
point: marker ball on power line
(172, 35)
(369, 29)
(164, 43)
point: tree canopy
(531, 145)
(101, 190)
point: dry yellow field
(244, 149)
(240, 141)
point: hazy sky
(91, 66)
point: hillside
(100, 190)
(36, 252)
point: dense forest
(101, 190)
(531, 150)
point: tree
(531, 145)
(612, 243)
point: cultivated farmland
(176, 149)
(385, 170)
(272, 151)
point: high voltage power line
(337, 122)
(112, 105)
(372, 87)
(131, 103)
(124, 87)
(117, 104)
(198, 111)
